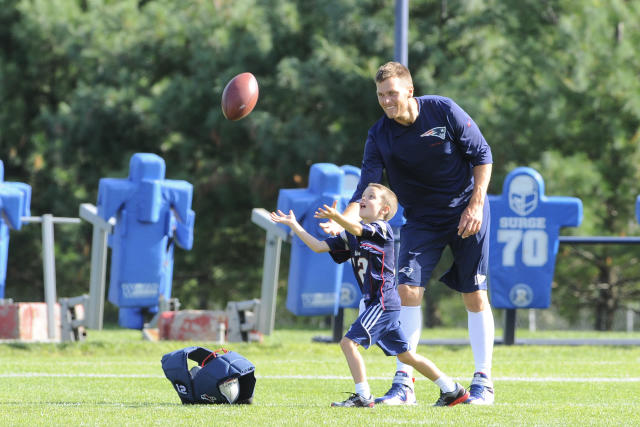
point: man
(439, 165)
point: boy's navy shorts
(378, 326)
(421, 247)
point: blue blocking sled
(152, 215)
(314, 279)
(525, 226)
(15, 202)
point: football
(240, 96)
(230, 389)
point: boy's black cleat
(459, 395)
(356, 401)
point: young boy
(369, 246)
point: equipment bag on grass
(221, 376)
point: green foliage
(595, 154)
(85, 84)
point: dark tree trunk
(607, 302)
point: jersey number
(361, 268)
(534, 247)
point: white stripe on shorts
(371, 316)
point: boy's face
(372, 206)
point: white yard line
(331, 377)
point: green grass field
(115, 378)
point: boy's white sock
(481, 336)
(446, 384)
(411, 325)
(363, 389)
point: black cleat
(459, 395)
(356, 401)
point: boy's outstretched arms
(291, 221)
(333, 228)
(330, 212)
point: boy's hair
(393, 69)
(388, 199)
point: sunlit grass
(115, 378)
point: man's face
(393, 97)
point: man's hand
(470, 221)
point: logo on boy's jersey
(438, 132)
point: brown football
(240, 96)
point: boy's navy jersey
(429, 163)
(373, 262)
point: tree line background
(85, 84)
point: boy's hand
(327, 212)
(331, 227)
(283, 218)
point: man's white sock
(481, 336)
(411, 325)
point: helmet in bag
(222, 376)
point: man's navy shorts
(381, 327)
(421, 247)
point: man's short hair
(393, 69)
(388, 199)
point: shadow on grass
(27, 346)
(102, 404)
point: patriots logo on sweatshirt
(438, 132)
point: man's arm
(471, 219)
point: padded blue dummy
(525, 226)
(15, 202)
(152, 213)
(314, 279)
